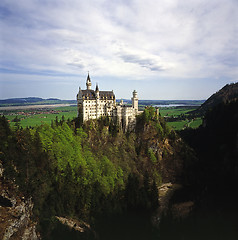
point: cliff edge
(15, 212)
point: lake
(174, 105)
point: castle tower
(79, 102)
(97, 101)
(88, 83)
(157, 112)
(135, 101)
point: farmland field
(196, 123)
(174, 111)
(181, 117)
(34, 117)
(179, 125)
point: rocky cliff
(15, 212)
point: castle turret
(79, 101)
(79, 93)
(135, 101)
(88, 83)
(97, 101)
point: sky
(164, 49)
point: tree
(16, 119)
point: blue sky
(165, 49)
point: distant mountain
(37, 100)
(165, 102)
(224, 95)
(53, 99)
(33, 100)
(21, 100)
(172, 102)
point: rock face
(177, 210)
(182, 210)
(15, 214)
(75, 224)
(165, 191)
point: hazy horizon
(118, 99)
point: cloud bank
(159, 41)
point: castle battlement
(93, 104)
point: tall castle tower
(134, 100)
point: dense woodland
(90, 170)
(216, 145)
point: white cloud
(136, 39)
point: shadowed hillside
(224, 95)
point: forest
(90, 170)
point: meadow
(179, 125)
(174, 111)
(182, 117)
(31, 118)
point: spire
(88, 78)
(97, 89)
(88, 83)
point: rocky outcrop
(182, 210)
(74, 223)
(15, 214)
(165, 191)
(78, 227)
(177, 210)
(1, 169)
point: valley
(178, 117)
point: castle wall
(93, 109)
(126, 116)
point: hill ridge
(226, 94)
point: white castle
(95, 104)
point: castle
(95, 104)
